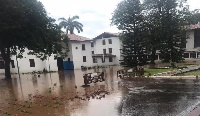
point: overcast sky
(95, 15)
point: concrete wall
(116, 46)
(78, 54)
(190, 40)
(24, 64)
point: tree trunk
(6, 57)
(71, 31)
(153, 55)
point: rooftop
(107, 35)
(195, 26)
(75, 37)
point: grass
(156, 71)
(197, 72)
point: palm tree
(71, 24)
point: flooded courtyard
(61, 94)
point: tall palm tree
(70, 24)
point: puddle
(61, 94)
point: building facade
(102, 50)
(29, 63)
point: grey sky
(95, 15)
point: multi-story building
(101, 51)
(29, 63)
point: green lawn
(156, 71)
(197, 72)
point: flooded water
(61, 94)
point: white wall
(24, 64)
(190, 40)
(79, 53)
(116, 46)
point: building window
(68, 59)
(92, 52)
(186, 55)
(193, 55)
(84, 58)
(94, 60)
(2, 65)
(110, 59)
(110, 50)
(196, 38)
(104, 51)
(110, 41)
(104, 42)
(198, 55)
(12, 63)
(156, 57)
(76, 47)
(92, 44)
(32, 62)
(83, 46)
(103, 59)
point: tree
(128, 17)
(166, 28)
(25, 24)
(70, 24)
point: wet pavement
(61, 94)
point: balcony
(105, 55)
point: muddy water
(61, 94)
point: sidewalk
(195, 112)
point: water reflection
(60, 93)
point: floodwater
(61, 94)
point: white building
(103, 50)
(193, 42)
(30, 63)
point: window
(84, 58)
(83, 46)
(12, 63)
(68, 59)
(104, 42)
(92, 44)
(186, 55)
(110, 59)
(92, 52)
(32, 62)
(196, 38)
(110, 50)
(110, 41)
(103, 59)
(198, 55)
(192, 55)
(76, 47)
(104, 51)
(1, 64)
(94, 60)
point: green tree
(25, 24)
(70, 24)
(129, 17)
(166, 28)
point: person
(85, 76)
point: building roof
(195, 26)
(106, 35)
(74, 37)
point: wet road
(61, 94)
